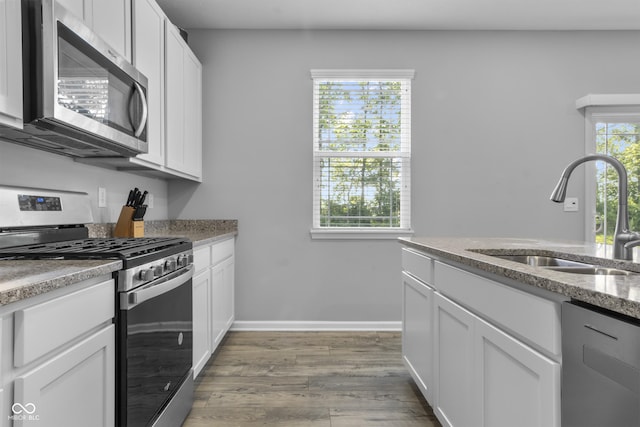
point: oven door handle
(129, 300)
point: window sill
(358, 234)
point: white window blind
(362, 150)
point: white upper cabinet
(10, 64)
(183, 106)
(174, 92)
(148, 58)
(109, 19)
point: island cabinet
(213, 298)
(417, 323)
(58, 357)
(109, 19)
(494, 350)
(10, 64)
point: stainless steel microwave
(81, 98)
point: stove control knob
(158, 270)
(183, 261)
(170, 265)
(146, 274)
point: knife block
(126, 226)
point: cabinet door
(417, 332)
(517, 386)
(193, 115)
(10, 63)
(148, 58)
(111, 20)
(455, 403)
(218, 320)
(175, 99)
(222, 300)
(75, 388)
(183, 106)
(201, 321)
(228, 291)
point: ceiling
(406, 14)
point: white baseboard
(259, 325)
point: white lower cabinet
(201, 322)
(58, 357)
(482, 352)
(213, 298)
(455, 403)
(517, 385)
(487, 378)
(74, 388)
(417, 332)
(222, 303)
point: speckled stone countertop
(617, 293)
(23, 279)
(199, 231)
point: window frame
(596, 114)
(404, 230)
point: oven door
(155, 345)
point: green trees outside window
(361, 152)
(622, 141)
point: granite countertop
(21, 279)
(199, 231)
(617, 293)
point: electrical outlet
(102, 197)
(149, 200)
(571, 204)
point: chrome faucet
(624, 239)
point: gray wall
(33, 168)
(494, 123)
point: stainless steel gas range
(153, 297)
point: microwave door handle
(145, 110)
(131, 299)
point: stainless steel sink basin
(565, 265)
(542, 261)
(594, 270)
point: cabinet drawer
(222, 250)
(202, 258)
(44, 327)
(533, 319)
(418, 265)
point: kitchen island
(482, 334)
(617, 293)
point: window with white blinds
(362, 151)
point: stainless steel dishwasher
(600, 368)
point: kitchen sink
(565, 265)
(594, 270)
(542, 261)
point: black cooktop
(133, 251)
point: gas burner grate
(121, 248)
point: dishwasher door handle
(594, 329)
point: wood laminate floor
(300, 379)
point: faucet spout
(622, 234)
